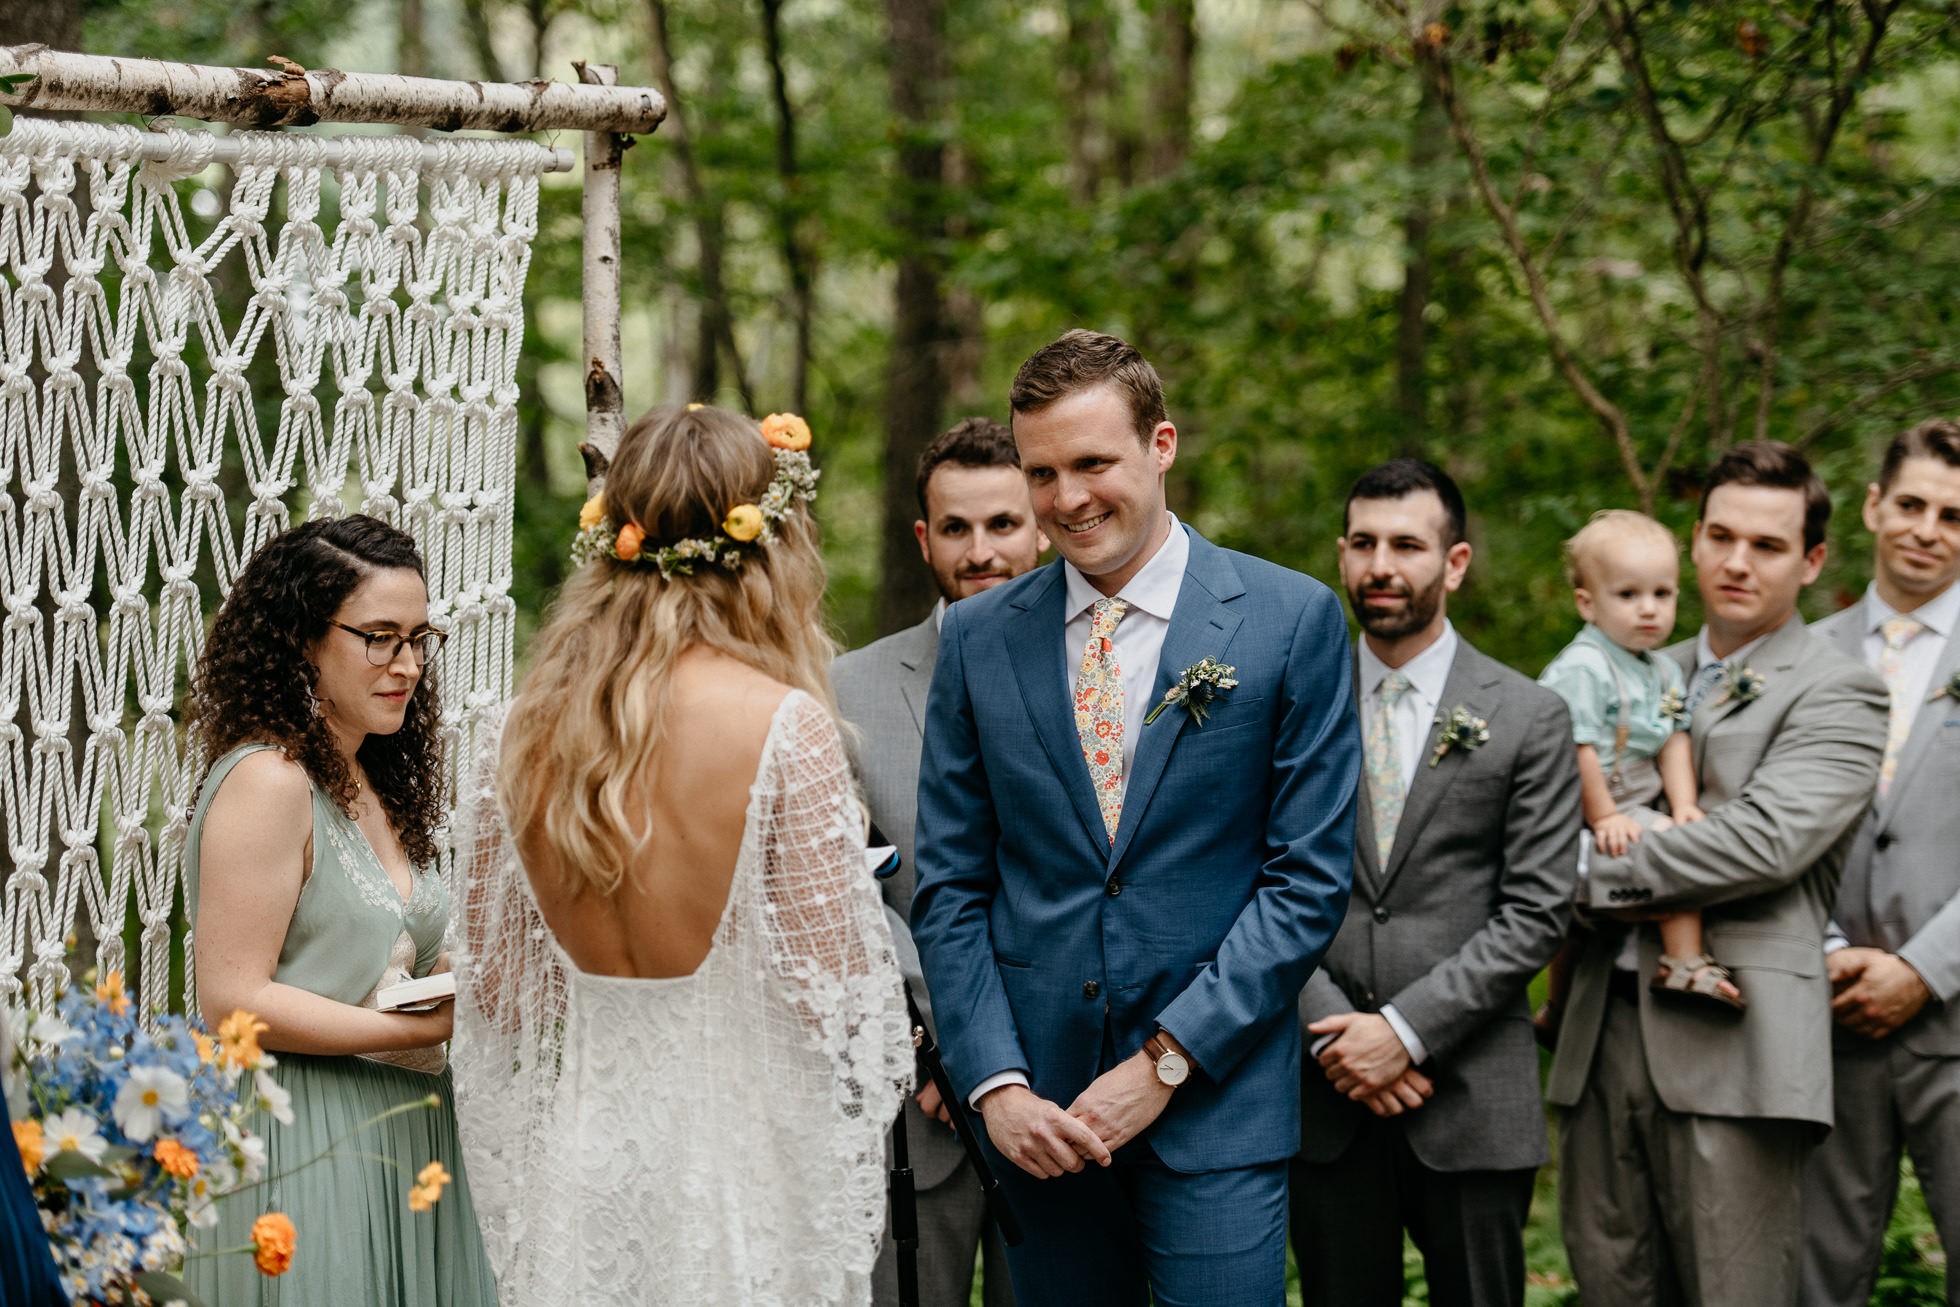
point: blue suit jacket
(1226, 883)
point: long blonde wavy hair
(582, 740)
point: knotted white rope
(138, 479)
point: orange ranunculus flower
(593, 512)
(33, 1145)
(428, 1187)
(629, 542)
(110, 991)
(786, 431)
(238, 1037)
(175, 1158)
(272, 1243)
(743, 523)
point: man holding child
(1687, 1126)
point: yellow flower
(428, 1187)
(175, 1158)
(593, 512)
(272, 1243)
(628, 544)
(786, 431)
(744, 522)
(110, 991)
(33, 1147)
(207, 1051)
(238, 1036)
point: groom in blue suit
(1126, 871)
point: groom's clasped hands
(1043, 1140)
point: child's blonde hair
(1608, 527)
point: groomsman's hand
(1405, 1095)
(1036, 1135)
(1121, 1103)
(1877, 992)
(933, 1105)
(1366, 1057)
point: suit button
(1381, 916)
(1090, 989)
(1883, 842)
(1114, 887)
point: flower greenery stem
(414, 1105)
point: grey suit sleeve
(1451, 1002)
(1934, 951)
(1321, 998)
(1815, 779)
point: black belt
(1624, 985)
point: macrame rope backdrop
(137, 477)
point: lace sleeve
(832, 958)
(510, 1009)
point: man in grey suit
(1682, 1146)
(1896, 965)
(1422, 1109)
(976, 530)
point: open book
(417, 995)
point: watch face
(1172, 1068)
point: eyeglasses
(383, 647)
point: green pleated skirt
(358, 1242)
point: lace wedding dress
(713, 1138)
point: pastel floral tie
(1099, 710)
(1386, 793)
(1897, 632)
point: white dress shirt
(1414, 713)
(1139, 643)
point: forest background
(1569, 250)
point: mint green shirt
(1582, 675)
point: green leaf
(69, 1165)
(12, 82)
(165, 1287)
(6, 120)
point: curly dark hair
(254, 682)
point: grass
(1913, 1273)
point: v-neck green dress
(358, 1241)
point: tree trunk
(797, 258)
(915, 378)
(1427, 136)
(1088, 82)
(476, 19)
(412, 56)
(56, 23)
(1176, 23)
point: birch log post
(605, 405)
(300, 98)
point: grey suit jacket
(881, 690)
(1473, 902)
(1901, 889)
(1785, 779)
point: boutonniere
(1196, 687)
(1951, 690)
(1743, 684)
(1674, 708)
(1460, 731)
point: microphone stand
(904, 1196)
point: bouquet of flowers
(128, 1134)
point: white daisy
(74, 1131)
(151, 1094)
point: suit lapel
(1036, 646)
(1927, 722)
(1774, 656)
(1201, 626)
(1474, 687)
(917, 660)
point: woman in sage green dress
(312, 883)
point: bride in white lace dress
(680, 1034)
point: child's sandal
(1698, 978)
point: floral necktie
(1897, 632)
(1099, 711)
(1386, 793)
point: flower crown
(745, 526)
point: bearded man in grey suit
(1686, 1129)
(1421, 1108)
(1895, 963)
(976, 530)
